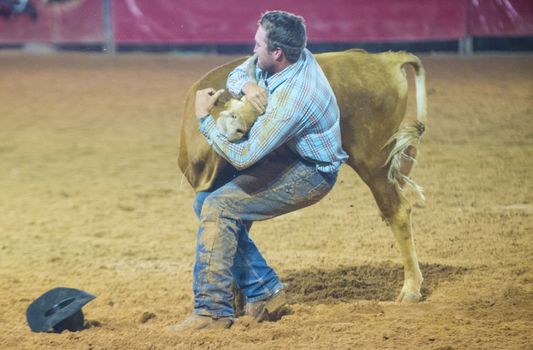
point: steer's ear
(221, 122)
(225, 114)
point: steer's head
(236, 119)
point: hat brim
(55, 306)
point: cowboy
(289, 160)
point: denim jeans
(278, 184)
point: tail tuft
(405, 140)
(401, 159)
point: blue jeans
(276, 185)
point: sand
(91, 198)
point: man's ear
(278, 54)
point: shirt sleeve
(271, 130)
(238, 78)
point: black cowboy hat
(57, 310)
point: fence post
(107, 26)
(466, 46)
(466, 43)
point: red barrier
(77, 21)
(234, 21)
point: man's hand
(205, 100)
(256, 95)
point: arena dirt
(91, 198)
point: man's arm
(238, 78)
(241, 83)
(270, 131)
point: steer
(371, 90)
(237, 119)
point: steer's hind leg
(397, 212)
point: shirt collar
(275, 80)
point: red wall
(234, 21)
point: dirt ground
(91, 198)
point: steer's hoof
(409, 297)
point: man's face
(265, 59)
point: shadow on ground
(380, 282)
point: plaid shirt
(302, 113)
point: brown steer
(371, 90)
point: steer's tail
(402, 157)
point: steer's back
(371, 90)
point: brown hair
(286, 31)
